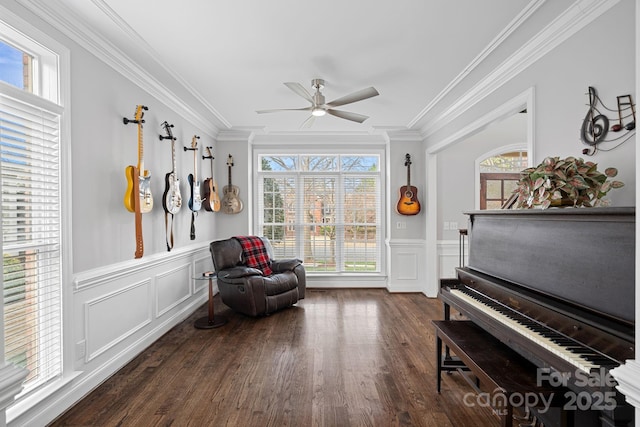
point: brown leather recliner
(246, 289)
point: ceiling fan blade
(309, 122)
(354, 97)
(300, 90)
(275, 110)
(354, 117)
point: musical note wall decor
(595, 126)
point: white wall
(102, 146)
(457, 172)
(115, 305)
(119, 305)
(599, 54)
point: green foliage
(570, 181)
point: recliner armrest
(238, 272)
(281, 265)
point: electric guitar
(195, 202)
(408, 203)
(143, 190)
(231, 203)
(171, 199)
(211, 200)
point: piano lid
(584, 256)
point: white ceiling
(236, 54)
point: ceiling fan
(318, 106)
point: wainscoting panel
(407, 266)
(449, 257)
(203, 264)
(107, 323)
(120, 309)
(172, 288)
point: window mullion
(339, 220)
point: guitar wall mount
(210, 156)
(191, 148)
(127, 121)
(162, 138)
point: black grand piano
(558, 287)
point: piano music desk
(495, 365)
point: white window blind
(325, 209)
(31, 234)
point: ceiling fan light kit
(318, 111)
(319, 107)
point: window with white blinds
(325, 209)
(31, 234)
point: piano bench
(497, 368)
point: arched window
(499, 172)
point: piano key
(577, 355)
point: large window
(325, 209)
(30, 156)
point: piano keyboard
(581, 357)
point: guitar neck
(195, 165)
(173, 156)
(140, 150)
(409, 175)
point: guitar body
(171, 199)
(144, 191)
(408, 203)
(146, 199)
(137, 197)
(129, 197)
(195, 203)
(211, 201)
(231, 203)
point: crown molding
(68, 23)
(493, 45)
(577, 16)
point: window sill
(26, 403)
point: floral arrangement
(564, 182)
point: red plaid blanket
(255, 253)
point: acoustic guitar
(231, 203)
(143, 190)
(211, 201)
(408, 203)
(171, 198)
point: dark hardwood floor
(346, 357)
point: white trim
(188, 267)
(432, 285)
(342, 282)
(11, 379)
(577, 16)
(628, 378)
(43, 412)
(521, 146)
(525, 99)
(68, 22)
(521, 18)
(90, 355)
(334, 148)
(52, 92)
(101, 275)
(45, 50)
